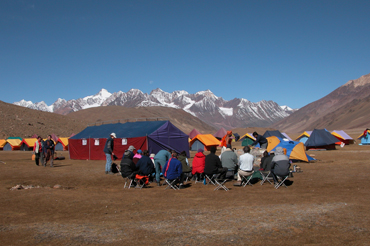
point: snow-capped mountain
(204, 104)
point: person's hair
(183, 153)
(50, 136)
(174, 155)
(246, 149)
(265, 153)
(173, 152)
(146, 152)
(254, 133)
(213, 149)
(38, 137)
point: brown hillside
(17, 121)
(113, 114)
(344, 108)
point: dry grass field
(327, 204)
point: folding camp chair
(219, 184)
(266, 176)
(281, 182)
(128, 183)
(246, 180)
(172, 184)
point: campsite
(75, 203)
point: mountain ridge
(213, 110)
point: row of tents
(157, 135)
(26, 144)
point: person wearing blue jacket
(160, 159)
(173, 168)
(145, 164)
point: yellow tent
(15, 144)
(272, 142)
(2, 143)
(295, 150)
(63, 142)
(28, 143)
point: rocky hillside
(347, 107)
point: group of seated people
(142, 166)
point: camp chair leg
(247, 180)
(282, 180)
(171, 184)
(265, 177)
(129, 182)
(221, 185)
(210, 179)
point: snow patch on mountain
(226, 111)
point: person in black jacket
(49, 149)
(145, 164)
(108, 151)
(128, 167)
(213, 165)
(261, 140)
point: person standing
(160, 159)
(49, 148)
(37, 150)
(108, 150)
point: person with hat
(108, 150)
(137, 156)
(128, 167)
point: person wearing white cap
(108, 150)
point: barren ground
(327, 204)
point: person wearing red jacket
(198, 164)
(37, 150)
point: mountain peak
(363, 80)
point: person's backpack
(114, 168)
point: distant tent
(275, 133)
(220, 133)
(150, 135)
(2, 143)
(247, 139)
(204, 141)
(61, 144)
(342, 137)
(27, 144)
(295, 150)
(34, 136)
(287, 136)
(365, 140)
(54, 137)
(304, 136)
(193, 133)
(321, 139)
(13, 143)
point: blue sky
(291, 52)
